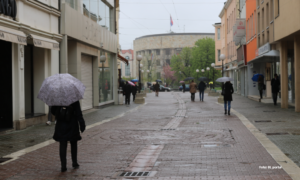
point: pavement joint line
(22, 152)
(285, 162)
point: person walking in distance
(134, 90)
(260, 86)
(156, 88)
(227, 88)
(69, 118)
(127, 91)
(275, 83)
(183, 87)
(193, 90)
(201, 88)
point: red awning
(122, 59)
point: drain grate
(270, 134)
(135, 174)
(168, 129)
(269, 111)
(263, 121)
(4, 159)
(181, 116)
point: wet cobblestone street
(170, 137)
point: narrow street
(169, 137)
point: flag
(171, 20)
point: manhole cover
(263, 121)
(168, 129)
(135, 174)
(270, 134)
(4, 159)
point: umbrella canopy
(210, 82)
(134, 80)
(255, 77)
(181, 82)
(61, 90)
(224, 79)
(188, 78)
(158, 80)
(131, 83)
(202, 79)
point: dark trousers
(127, 99)
(193, 96)
(261, 93)
(63, 152)
(201, 95)
(133, 97)
(275, 98)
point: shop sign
(8, 8)
(262, 50)
(239, 30)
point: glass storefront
(98, 11)
(105, 78)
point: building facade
(157, 51)
(89, 32)
(127, 70)
(29, 37)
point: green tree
(203, 55)
(182, 63)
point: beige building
(127, 70)
(158, 49)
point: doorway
(6, 105)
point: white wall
(252, 86)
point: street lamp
(197, 71)
(102, 60)
(148, 74)
(213, 68)
(208, 74)
(222, 58)
(139, 58)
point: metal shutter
(87, 80)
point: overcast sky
(145, 17)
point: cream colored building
(158, 49)
(127, 70)
(29, 40)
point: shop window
(105, 78)
(276, 8)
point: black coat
(127, 89)
(69, 131)
(134, 90)
(228, 90)
(275, 83)
(201, 86)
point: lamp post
(222, 58)
(102, 60)
(213, 66)
(197, 71)
(208, 74)
(148, 74)
(139, 58)
(179, 76)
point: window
(158, 75)
(254, 23)
(257, 3)
(219, 35)
(258, 42)
(157, 52)
(219, 54)
(127, 69)
(272, 10)
(149, 52)
(263, 19)
(267, 14)
(276, 8)
(268, 36)
(168, 61)
(158, 62)
(72, 3)
(168, 51)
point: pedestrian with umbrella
(127, 91)
(133, 91)
(201, 88)
(227, 91)
(183, 87)
(156, 88)
(62, 92)
(193, 90)
(260, 86)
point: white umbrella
(61, 90)
(224, 79)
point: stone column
(64, 55)
(297, 72)
(284, 75)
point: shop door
(87, 80)
(6, 106)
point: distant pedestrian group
(127, 91)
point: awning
(231, 68)
(12, 35)
(267, 57)
(44, 42)
(121, 58)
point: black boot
(62, 154)
(225, 112)
(229, 112)
(74, 155)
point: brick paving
(205, 144)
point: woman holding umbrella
(228, 91)
(63, 92)
(260, 86)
